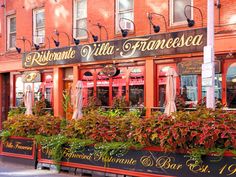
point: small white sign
(208, 54)
(207, 70)
(207, 82)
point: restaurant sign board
(148, 161)
(142, 46)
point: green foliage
(119, 102)
(5, 134)
(55, 143)
(16, 111)
(66, 100)
(78, 145)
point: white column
(210, 96)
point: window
(11, 32)
(177, 11)
(189, 88)
(39, 26)
(80, 19)
(42, 90)
(125, 9)
(218, 88)
(231, 86)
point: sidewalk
(8, 169)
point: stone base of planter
(15, 160)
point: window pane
(189, 88)
(103, 89)
(40, 19)
(125, 5)
(40, 32)
(119, 84)
(178, 10)
(13, 24)
(128, 15)
(19, 91)
(12, 40)
(83, 25)
(231, 86)
(88, 84)
(81, 9)
(136, 87)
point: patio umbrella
(77, 114)
(28, 100)
(170, 91)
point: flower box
(150, 162)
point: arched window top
(87, 76)
(231, 86)
(231, 73)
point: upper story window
(124, 9)
(11, 32)
(80, 19)
(177, 16)
(39, 26)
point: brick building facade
(139, 75)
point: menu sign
(151, 45)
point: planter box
(148, 162)
(19, 149)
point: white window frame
(117, 28)
(75, 20)
(9, 32)
(172, 23)
(35, 12)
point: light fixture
(100, 30)
(57, 43)
(18, 49)
(77, 41)
(36, 46)
(156, 28)
(125, 31)
(57, 33)
(191, 23)
(95, 38)
(39, 40)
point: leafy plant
(198, 132)
(5, 134)
(55, 143)
(16, 111)
(39, 108)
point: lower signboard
(150, 162)
(18, 147)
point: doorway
(5, 96)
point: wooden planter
(148, 162)
(19, 149)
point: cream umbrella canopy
(28, 100)
(78, 103)
(170, 91)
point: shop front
(132, 69)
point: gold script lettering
(42, 58)
(167, 163)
